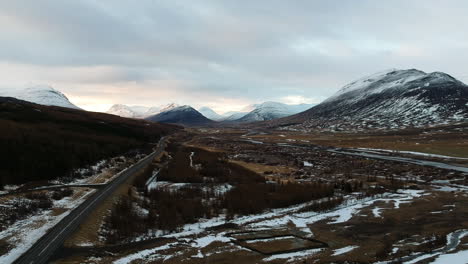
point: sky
(221, 53)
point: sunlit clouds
(222, 54)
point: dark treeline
(254, 198)
(43, 142)
(207, 167)
(172, 209)
(166, 210)
(169, 210)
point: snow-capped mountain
(272, 110)
(184, 115)
(233, 115)
(138, 111)
(168, 107)
(44, 95)
(210, 113)
(266, 111)
(389, 100)
(127, 111)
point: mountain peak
(390, 100)
(381, 80)
(40, 94)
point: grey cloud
(254, 49)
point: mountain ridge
(40, 94)
(389, 100)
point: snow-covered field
(24, 233)
(275, 219)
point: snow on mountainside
(125, 111)
(272, 110)
(379, 82)
(388, 100)
(44, 95)
(168, 107)
(183, 115)
(210, 113)
(266, 111)
(233, 115)
(138, 111)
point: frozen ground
(24, 233)
(344, 250)
(273, 219)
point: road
(46, 246)
(441, 165)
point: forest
(41, 143)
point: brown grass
(450, 144)
(261, 168)
(281, 244)
(412, 219)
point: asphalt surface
(46, 246)
(435, 164)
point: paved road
(45, 247)
(356, 152)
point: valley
(233, 132)
(377, 173)
(225, 195)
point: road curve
(46, 246)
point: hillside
(210, 113)
(44, 142)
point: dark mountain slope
(44, 142)
(183, 115)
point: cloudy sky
(222, 54)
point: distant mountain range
(272, 110)
(44, 95)
(250, 113)
(138, 111)
(392, 99)
(210, 113)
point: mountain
(127, 111)
(266, 111)
(392, 99)
(184, 115)
(44, 95)
(138, 111)
(209, 113)
(272, 110)
(233, 115)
